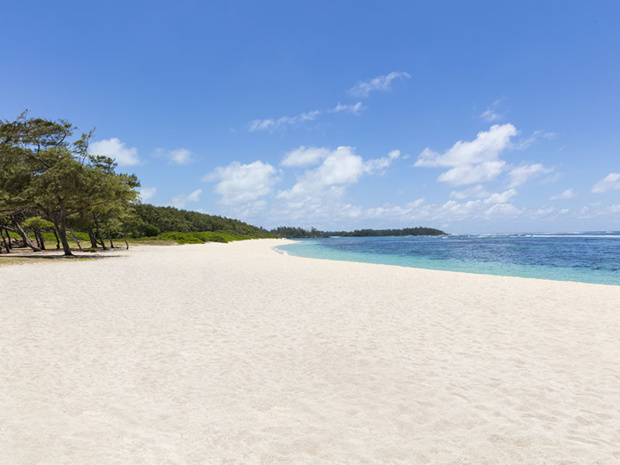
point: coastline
(472, 259)
(235, 353)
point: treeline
(51, 184)
(152, 221)
(300, 233)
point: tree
(42, 171)
(36, 224)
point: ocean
(592, 257)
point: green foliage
(149, 218)
(41, 171)
(180, 237)
(297, 233)
(36, 222)
(200, 237)
(300, 233)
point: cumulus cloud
(181, 200)
(147, 193)
(478, 161)
(471, 174)
(595, 209)
(567, 194)
(339, 169)
(114, 148)
(239, 184)
(497, 206)
(380, 83)
(304, 156)
(610, 182)
(521, 174)
(473, 192)
(180, 156)
(487, 147)
(500, 197)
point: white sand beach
(236, 354)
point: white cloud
(610, 182)
(567, 194)
(355, 108)
(272, 124)
(240, 184)
(380, 164)
(478, 161)
(521, 174)
(340, 168)
(536, 135)
(500, 197)
(487, 147)
(304, 156)
(473, 192)
(147, 193)
(380, 83)
(595, 209)
(491, 114)
(495, 207)
(471, 174)
(115, 149)
(181, 200)
(180, 156)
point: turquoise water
(580, 257)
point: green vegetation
(53, 190)
(149, 220)
(300, 233)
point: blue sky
(467, 116)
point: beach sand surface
(237, 354)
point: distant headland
(300, 233)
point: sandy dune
(235, 354)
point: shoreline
(522, 274)
(234, 353)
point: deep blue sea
(592, 257)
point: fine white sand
(235, 354)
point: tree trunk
(110, 237)
(39, 236)
(57, 240)
(36, 238)
(93, 239)
(72, 236)
(62, 232)
(98, 234)
(123, 236)
(6, 246)
(24, 236)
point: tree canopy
(44, 173)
